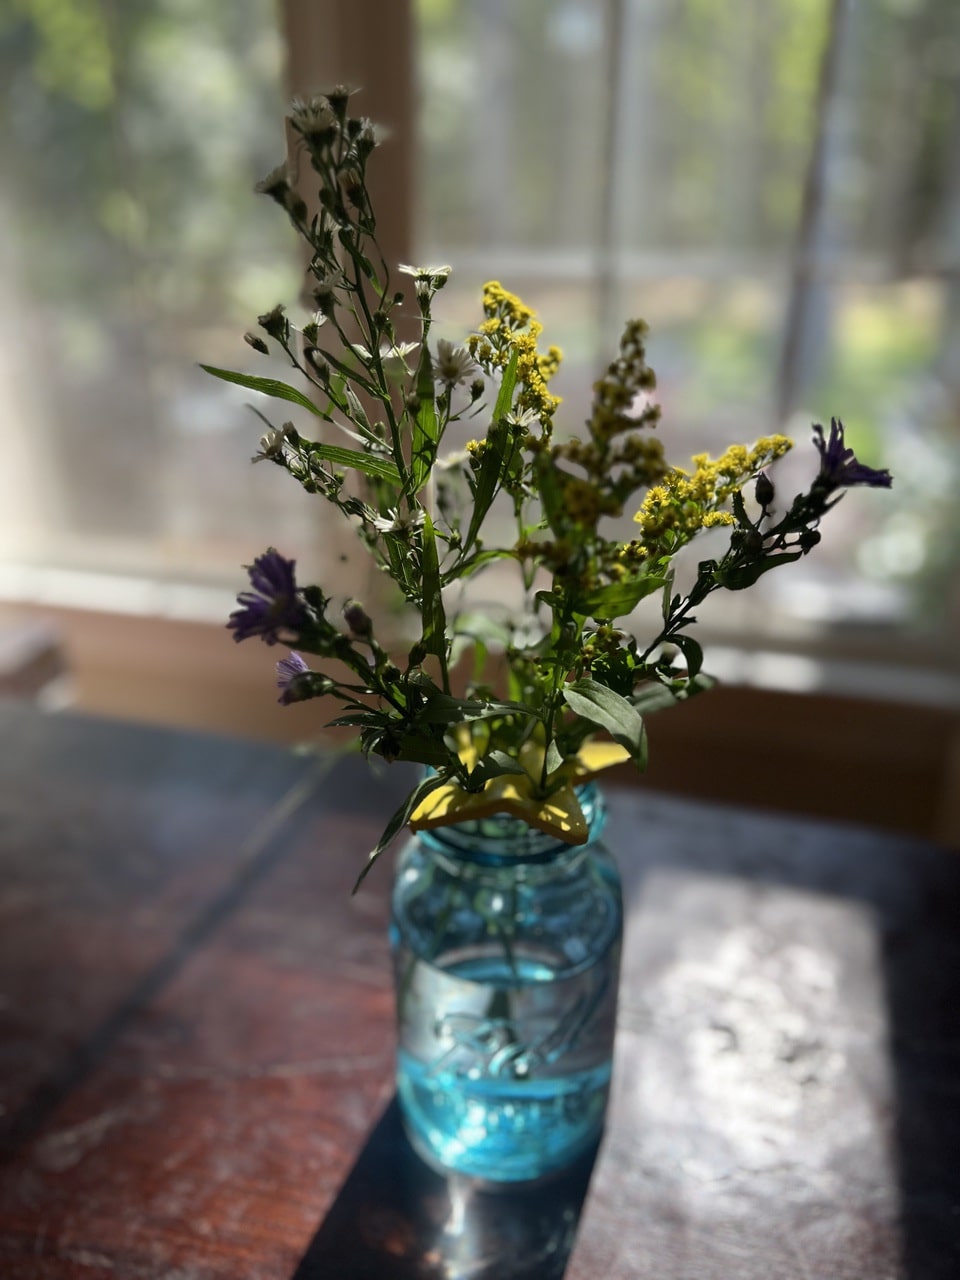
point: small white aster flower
(395, 523)
(399, 351)
(272, 442)
(314, 116)
(271, 446)
(425, 273)
(526, 418)
(454, 364)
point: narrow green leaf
(420, 748)
(667, 588)
(491, 465)
(554, 758)
(746, 575)
(653, 697)
(505, 763)
(268, 386)
(490, 710)
(740, 511)
(495, 765)
(507, 385)
(692, 652)
(485, 490)
(601, 706)
(400, 819)
(426, 425)
(370, 464)
(551, 493)
(434, 637)
(617, 599)
(360, 720)
(465, 568)
(402, 568)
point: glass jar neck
(505, 841)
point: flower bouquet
(511, 720)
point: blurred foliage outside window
(649, 157)
(603, 159)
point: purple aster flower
(288, 669)
(273, 605)
(839, 467)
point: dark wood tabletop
(196, 1038)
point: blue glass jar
(506, 950)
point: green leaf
(601, 706)
(692, 652)
(490, 710)
(434, 638)
(491, 464)
(668, 605)
(402, 567)
(617, 599)
(426, 426)
(361, 720)
(551, 493)
(507, 385)
(494, 765)
(268, 386)
(464, 568)
(400, 819)
(443, 708)
(420, 748)
(554, 758)
(746, 575)
(653, 697)
(740, 511)
(370, 464)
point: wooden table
(196, 1038)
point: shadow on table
(396, 1219)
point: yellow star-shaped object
(558, 813)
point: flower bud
(765, 491)
(296, 206)
(357, 619)
(337, 99)
(258, 344)
(809, 539)
(752, 542)
(275, 323)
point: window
(773, 185)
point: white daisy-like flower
(271, 446)
(395, 523)
(425, 273)
(272, 442)
(399, 351)
(454, 364)
(314, 116)
(427, 280)
(526, 418)
(311, 329)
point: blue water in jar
(506, 950)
